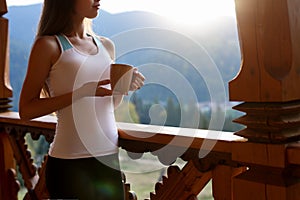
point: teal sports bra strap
(97, 40)
(64, 42)
(100, 45)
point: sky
(188, 11)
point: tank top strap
(64, 43)
(100, 45)
(97, 40)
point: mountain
(166, 51)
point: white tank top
(87, 127)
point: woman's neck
(78, 29)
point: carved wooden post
(5, 88)
(8, 185)
(270, 71)
(268, 83)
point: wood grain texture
(270, 48)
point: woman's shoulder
(109, 45)
(106, 40)
(45, 40)
(48, 45)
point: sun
(184, 11)
(195, 12)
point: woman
(72, 65)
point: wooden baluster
(34, 180)
(24, 160)
(40, 189)
(9, 186)
(181, 184)
(268, 84)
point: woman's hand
(94, 89)
(137, 80)
(101, 91)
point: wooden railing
(16, 154)
(231, 163)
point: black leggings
(84, 178)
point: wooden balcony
(235, 165)
(260, 162)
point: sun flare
(200, 11)
(184, 11)
(190, 12)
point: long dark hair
(56, 17)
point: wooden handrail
(45, 122)
(178, 137)
(157, 134)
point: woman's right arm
(44, 54)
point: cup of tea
(120, 78)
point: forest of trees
(171, 113)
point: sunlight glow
(184, 11)
(22, 2)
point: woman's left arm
(110, 47)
